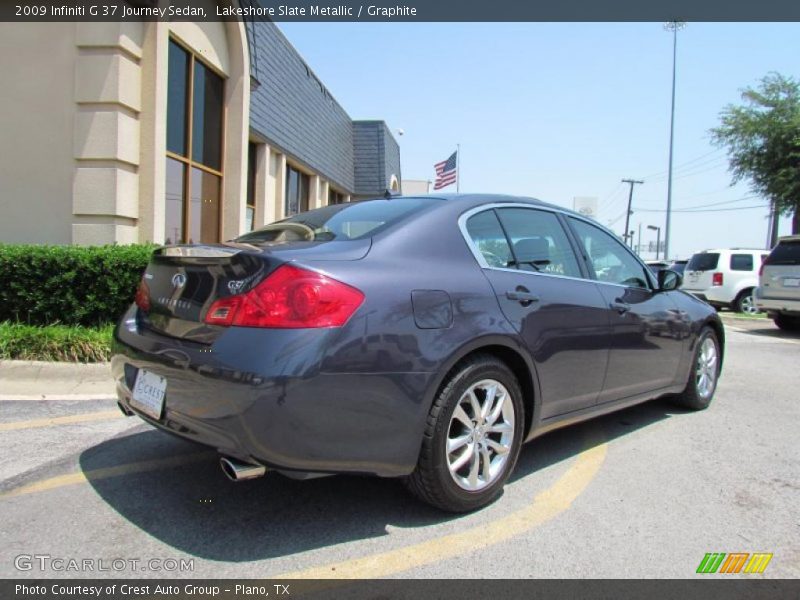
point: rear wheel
(472, 438)
(704, 374)
(787, 323)
(745, 303)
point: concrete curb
(39, 380)
(734, 317)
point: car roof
(476, 199)
(789, 238)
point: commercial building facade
(171, 132)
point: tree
(762, 138)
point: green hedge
(73, 285)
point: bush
(73, 285)
(55, 342)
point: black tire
(692, 396)
(743, 300)
(432, 481)
(787, 323)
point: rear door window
(703, 261)
(539, 242)
(741, 262)
(488, 237)
(785, 253)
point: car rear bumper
(275, 406)
(776, 305)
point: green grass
(735, 315)
(63, 343)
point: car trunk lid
(182, 282)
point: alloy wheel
(480, 435)
(748, 305)
(707, 362)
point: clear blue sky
(558, 110)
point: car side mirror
(668, 280)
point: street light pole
(658, 238)
(672, 26)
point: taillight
(761, 268)
(142, 298)
(289, 298)
(716, 279)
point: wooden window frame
(188, 161)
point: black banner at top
(401, 10)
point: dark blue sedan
(423, 337)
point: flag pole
(458, 171)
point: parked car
(679, 266)
(420, 337)
(725, 277)
(657, 265)
(779, 291)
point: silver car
(779, 284)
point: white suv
(779, 292)
(725, 277)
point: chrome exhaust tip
(236, 470)
(124, 409)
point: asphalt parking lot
(646, 492)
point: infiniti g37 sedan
(424, 338)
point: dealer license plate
(148, 393)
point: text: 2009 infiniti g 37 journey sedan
(424, 338)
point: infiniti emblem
(179, 280)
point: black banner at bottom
(385, 589)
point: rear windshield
(704, 261)
(785, 253)
(351, 221)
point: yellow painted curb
(545, 506)
(81, 418)
(104, 473)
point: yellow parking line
(105, 472)
(82, 418)
(545, 506)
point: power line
(704, 210)
(684, 164)
(708, 167)
(608, 199)
(742, 199)
(750, 197)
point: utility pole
(632, 182)
(774, 222)
(639, 245)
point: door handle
(522, 295)
(620, 307)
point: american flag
(446, 172)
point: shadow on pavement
(767, 330)
(195, 509)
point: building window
(335, 197)
(194, 149)
(252, 166)
(296, 192)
